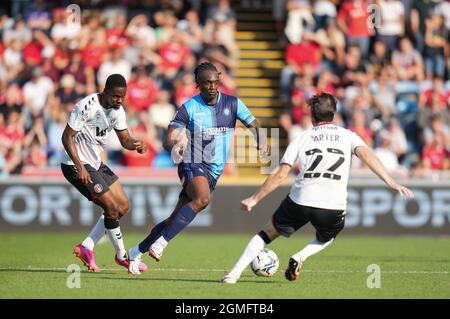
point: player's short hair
(323, 107)
(205, 66)
(114, 81)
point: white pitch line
(223, 270)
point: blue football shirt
(211, 129)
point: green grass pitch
(34, 266)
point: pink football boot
(86, 256)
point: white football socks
(117, 240)
(96, 234)
(312, 248)
(254, 246)
(161, 241)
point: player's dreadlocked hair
(114, 81)
(323, 107)
(205, 66)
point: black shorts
(289, 217)
(101, 180)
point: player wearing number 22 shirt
(319, 192)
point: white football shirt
(324, 154)
(93, 122)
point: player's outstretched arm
(271, 183)
(130, 143)
(378, 168)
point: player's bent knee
(325, 238)
(202, 202)
(111, 211)
(124, 208)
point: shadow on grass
(135, 278)
(52, 271)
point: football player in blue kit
(200, 135)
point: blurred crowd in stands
(386, 61)
(52, 53)
(388, 64)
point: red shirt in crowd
(173, 55)
(302, 53)
(32, 53)
(355, 15)
(427, 95)
(142, 93)
(435, 155)
(93, 54)
(184, 93)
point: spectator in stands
(116, 36)
(12, 101)
(17, 31)
(165, 26)
(332, 42)
(12, 138)
(299, 20)
(141, 91)
(360, 126)
(115, 64)
(64, 27)
(93, 44)
(172, 54)
(436, 47)
(55, 148)
(143, 130)
(352, 20)
(35, 143)
(353, 72)
(66, 94)
(434, 125)
(388, 157)
(407, 62)
(161, 113)
(192, 31)
(37, 93)
(435, 155)
(323, 12)
(378, 59)
(421, 11)
(39, 17)
(384, 94)
(297, 56)
(392, 14)
(443, 8)
(185, 88)
(399, 145)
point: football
(265, 263)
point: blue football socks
(183, 218)
(144, 246)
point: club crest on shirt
(98, 188)
(226, 112)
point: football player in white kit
(319, 193)
(90, 121)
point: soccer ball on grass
(265, 264)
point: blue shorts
(187, 171)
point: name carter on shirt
(325, 137)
